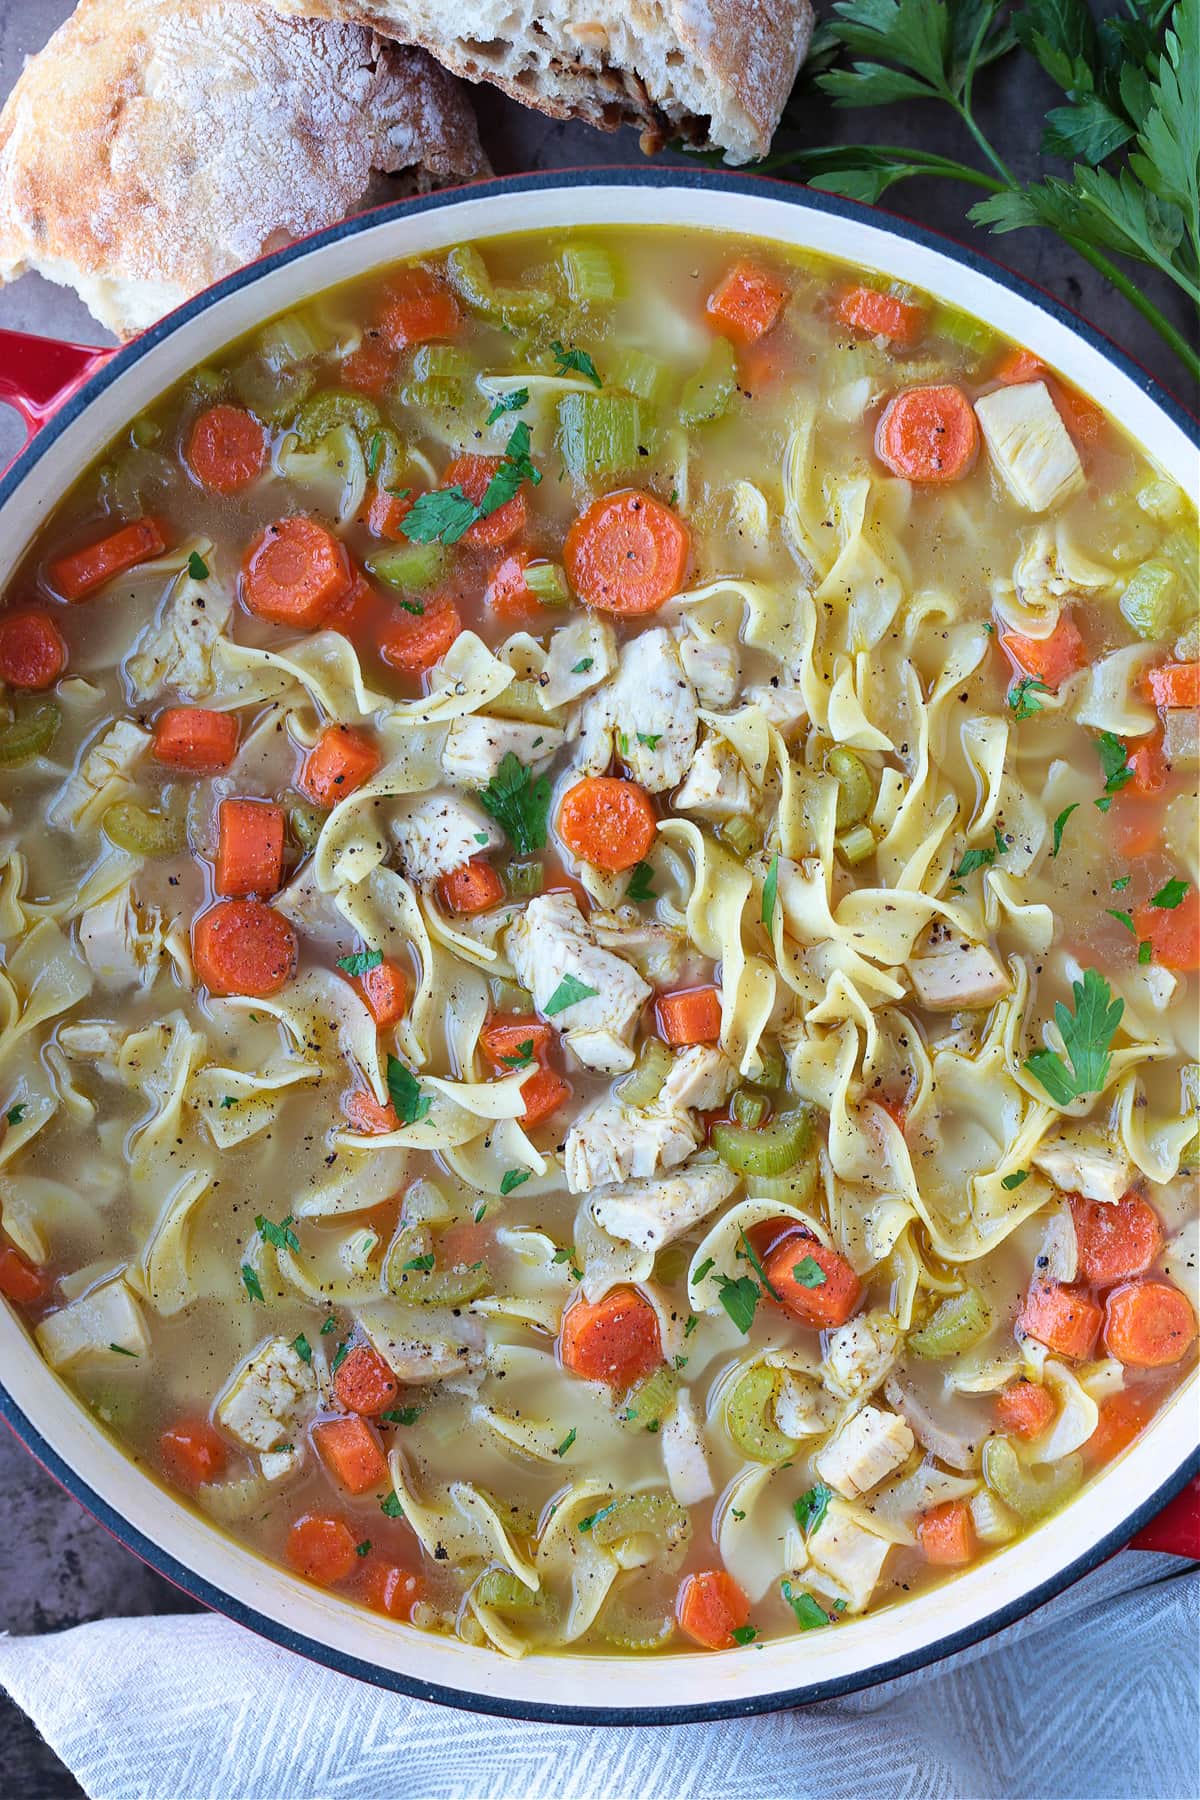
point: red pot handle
(1177, 1527)
(38, 374)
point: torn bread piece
(148, 151)
(716, 72)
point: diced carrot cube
(746, 302)
(352, 1453)
(249, 848)
(1062, 1318)
(947, 1535)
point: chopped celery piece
(707, 393)
(960, 328)
(1161, 499)
(1148, 602)
(650, 1512)
(771, 1150)
(144, 432)
(408, 566)
(208, 384)
(651, 1400)
(524, 879)
(958, 1324)
(672, 1263)
(410, 1274)
(1030, 1493)
(469, 276)
(645, 1079)
(332, 407)
(855, 792)
(590, 274)
(271, 394)
(504, 1592)
(29, 735)
(144, 833)
(856, 845)
(386, 457)
(305, 823)
(523, 700)
(548, 582)
(295, 338)
(637, 372)
(749, 1108)
(750, 1417)
(739, 835)
(797, 1188)
(773, 1070)
(433, 395)
(441, 362)
(509, 997)
(1182, 550)
(637, 1625)
(601, 434)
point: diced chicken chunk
(100, 1330)
(440, 832)
(688, 1474)
(957, 977)
(850, 1555)
(110, 760)
(1030, 445)
(614, 1143)
(552, 941)
(713, 669)
(649, 1214)
(1181, 737)
(860, 1355)
(1078, 1162)
(581, 656)
(477, 745)
(701, 1076)
(121, 942)
(866, 1448)
(802, 1407)
(782, 701)
(269, 1397)
(420, 1344)
(601, 1051)
(655, 950)
(717, 786)
(176, 651)
(649, 711)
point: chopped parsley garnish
(1171, 894)
(1015, 1179)
(690, 1324)
(121, 1350)
(280, 1237)
(339, 1356)
(420, 1265)
(402, 1415)
(809, 1273)
(390, 1506)
(281, 1447)
(252, 1284)
(1145, 952)
(1122, 918)
(443, 515)
(740, 1299)
(329, 1325)
(809, 1616)
(980, 859)
(361, 963)
(650, 739)
(519, 801)
(410, 1103)
(303, 1348)
(508, 403)
(575, 361)
(586, 1524)
(522, 1057)
(197, 568)
(1021, 696)
(1114, 766)
(1087, 1036)
(743, 1634)
(751, 1256)
(373, 450)
(1121, 883)
(812, 1506)
(735, 1512)
(567, 1442)
(569, 992)
(481, 837)
(363, 1549)
(477, 1215)
(639, 882)
(512, 1178)
(15, 1114)
(583, 665)
(416, 607)
(1060, 825)
(770, 891)
(228, 1100)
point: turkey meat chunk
(649, 1214)
(551, 945)
(649, 710)
(614, 1142)
(440, 832)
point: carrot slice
(514, 1038)
(472, 474)
(607, 822)
(370, 369)
(872, 314)
(473, 888)
(1115, 1241)
(83, 571)
(746, 302)
(615, 1341)
(1122, 1416)
(627, 553)
(33, 653)
(928, 434)
(414, 642)
(385, 990)
(388, 1587)
(543, 1094)
(193, 1452)
(947, 1535)
(351, 1452)
(1024, 1409)
(341, 760)
(1062, 1318)
(1149, 766)
(831, 1300)
(1148, 1324)
(1051, 659)
(691, 1016)
(507, 595)
(321, 1547)
(1172, 932)
(20, 1280)
(295, 571)
(417, 309)
(384, 513)
(249, 848)
(367, 1116)
(243, 947)
(1136, 823)
(227, 449)
(1175, 684)
(710, 1607)
(1017, 366)
(364, 1383)
(194, 738)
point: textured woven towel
(1094, 1695)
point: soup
(600, 931)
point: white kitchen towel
(1094, 1695)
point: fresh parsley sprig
(519, 801)
(443, 515)
(1087, 1035)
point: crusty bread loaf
(717, 72)
(150, 149)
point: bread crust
(149, 150)
(717, 72)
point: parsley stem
(923, 162)
(1187, 355)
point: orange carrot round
(227, 449)
(418, 308)
(364, 1383)
(1116, 1241)
(351, 1452)
(1024, 1409)
(20, 1280)
(385, 990)
(872, 314)
(1172, 932)
(388, 1587)
(33, 653)
(690, 1016)
(504, 1036)
(79, 574)
(710, 1608)
(947, 1535)
(928, 434)
(1148, 1324)
(414, 642)
(1062, 1318)
(370, 369)
(249, 848)
(243, 947)
(1175, 684)
(827, 1304)
(294, 572)
(473, 888)
(615, 1341)
(368, 1116)
(472, 474)
(607, 822)
(193, 1452)
(321, 1547)
(195, 738)
(1122, 1417)
(627, 553)
(341, 760)
(746, 302)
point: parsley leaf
(121, 1350)
(770, 892)
(649, 738)
(809, 1273)
(586, 1524)
(252, 1284)
(361, 963)
(512, 1178)
(280, 1237)
(809, 1616)
(567, 1442)
(15, 1114)
(569, 992)
(523, 1056)
(1060, 825)
(363, 1549)
(575, 361)
(743, 1634)
(1087, 1036)
(390, 1506)
(228, 1100)
(812, 1506)
(303, 1348)
(583, 665)
(441, 516)
(197, 568)
(740, 1299)
(1114, 761)
(405, 1090)
(477, 1215)
(1122, 918)
(508, 403)
(1121, 883)
(706, 1268)
(420, 1265)
(519, 801)
(1009, 1182)
(329, 1325)
(1021, 696)
(1171, 894)
(402, 1415)
(373, 450)
(639, 882)
(1145, 952)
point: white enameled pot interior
(320, 1620)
